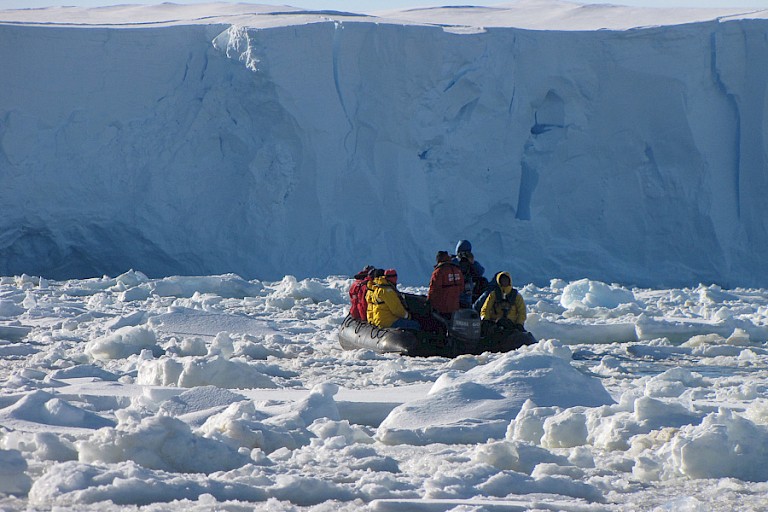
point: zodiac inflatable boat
(462, 335)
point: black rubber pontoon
(463, 336)
(355, 334)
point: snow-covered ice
(222, 400)
(581, 148)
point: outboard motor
(465, 327)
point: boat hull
(354, 335)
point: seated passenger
(490, 287)
(504, 306)
(359, 307)
(446, 285)
(370, 288)
(385, 308)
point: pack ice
(213, 392)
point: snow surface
(621, 144)
(219, 393)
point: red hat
(391, 275)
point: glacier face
(634, 156)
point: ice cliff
(316, 143)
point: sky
(373, 5)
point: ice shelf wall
(632, 156)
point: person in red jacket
(446, 285)
(359, 307)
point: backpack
(357, 298)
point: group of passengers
(457, 282)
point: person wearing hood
(474, 282)
(386, 309)
(492, 285)
(504, 306)
(445, 285)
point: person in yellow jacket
(373, 274)
(385, 308)
(504, 306)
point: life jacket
(510, 308)
(359, 307)
(504, 304)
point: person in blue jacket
(492, 285)
(474, 281)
